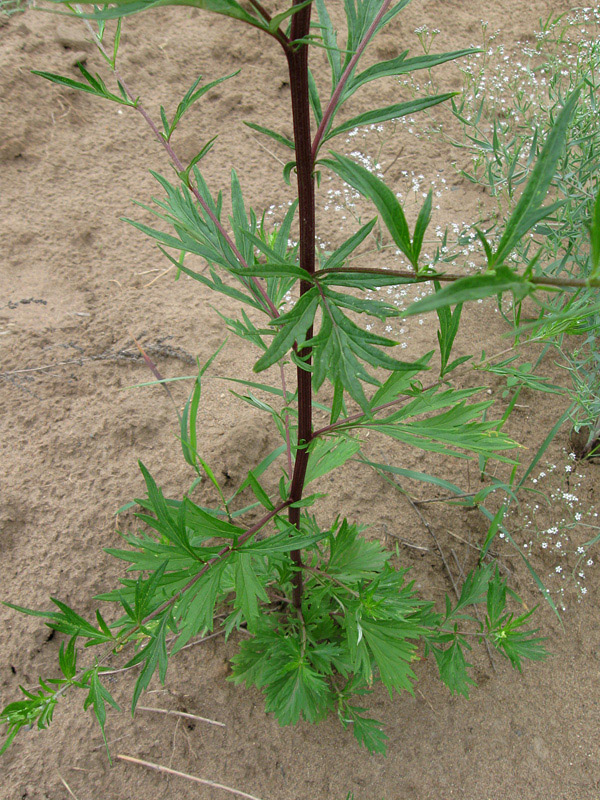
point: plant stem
(288, 444)
(298, 71)
(413, 277)
(180, 167)
(331, 106)
(279, 34)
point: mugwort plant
(326, 611)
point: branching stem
(331, 106)
(180, 167)
(449, 277)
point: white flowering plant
(326, 612)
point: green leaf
(328, 454)
(352, 558)
(67, 659)
(185, 174)
(401, 66)
(415, 476)
(208, 525)
(288, 539)
(153, 655)
(293, 328)
(197, 607)
(594, 229)
(279, 18)
(474, 589)
(526, 212)
(517, 645)
(453, 666)
(315, 101)
(248, 587)
(259, 492)
(192, 95)
(340, 255)
(395, 111)
(367, 731)
(98, 696)
(492, 531)
(449, 432)
(384, 199)
(274, 660)
(93, 87)
(188, 424)
(473, 287)
(145, 591)
(330, 41)
(449, 322)
(339, 345)
(124, 8)
(287, 171)
(389, 643)
(272, 134)
(421, 226)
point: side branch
(331, 106)
(408, 276)
(179, 166)
(225, 551)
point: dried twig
(67, 787)
(168, 771)
(180, 714)
(404, 541)
(437, 544)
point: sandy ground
(77, 284)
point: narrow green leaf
(384, 199)
(279, 18)
(473, 287)
(293, 328)
(83, 87)
(185, 174)
(395, 111)
(492, 531)
(416, 476)
(287, 171)
(165, 121)
(421, 226)
(124, 8)
(339, 256)
(402, 65)
(594, 229)
(259, 492)
(272, 134)
(193, 94)
(315, 101)
(327, 454)
(526, 212)
(330, 41)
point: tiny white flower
(558, 569)
(590, 562)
